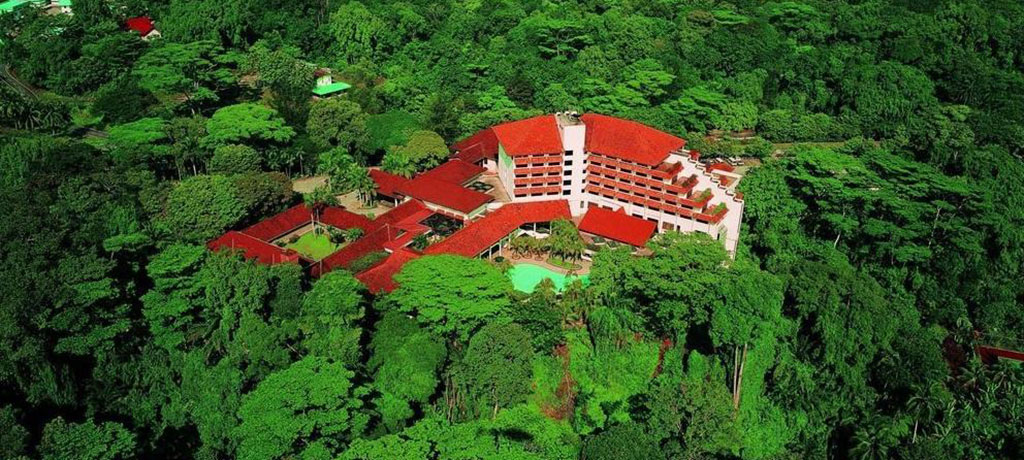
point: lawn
(314, 246)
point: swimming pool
(525, 277)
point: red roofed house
(600, 161)
(442, 189)
(381, 277)
(143, 25)
(617, 226)
(486, 236)
(258, 241)
(480, 149)
(254, 248)
(387, 186)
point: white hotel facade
(595, 160)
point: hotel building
(599, 161)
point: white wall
(573, 140)
(506, 171)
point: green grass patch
(564, 265)
(314, 246)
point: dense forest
(882, 241)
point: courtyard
(314, 245)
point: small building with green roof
(50, 6)
(325, 84)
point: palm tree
(877, 436)
(926, 404)
(360, 180)
(565, 242)
(521, 245)
(316, 201)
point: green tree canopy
(330, 316)
(310, 409)
(451, 295)
(251, 124)
(235, 159)
(87, 440)
(196, 71)
(202, 207)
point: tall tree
(451, 295)
(311, 409)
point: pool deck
(542, 261)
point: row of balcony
(712, 216)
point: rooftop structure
(616, 225)
(142, 25)
(479, 236)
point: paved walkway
(308, 184)
(352, 203)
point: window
(568, 153)
(566, 192)
(567, 173)
(568, 162)
(567, 182)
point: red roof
(399, 213)
(412, 228)
(299, 215)
(282, 223)
(477, 236)
(617, 226)
(381, 277)
(387, 182)
(371, 242)
(628, 140)
(720, 166)
(454, 171)
(483, 144)
(446, 194)
(530, 136)
(253, 248)
(141, 24)
(342, 218)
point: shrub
(366, 262)
(420, 242)
(336, 236)
(758, 148)
(235, 159)
(353, 234)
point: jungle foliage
(883, 233)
